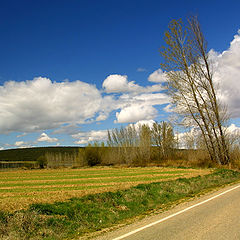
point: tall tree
(163, 138)
(189, 74)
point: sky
(72, 69)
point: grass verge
(78, 216)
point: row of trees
(194, 93)
(142, 144)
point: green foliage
(42, 161)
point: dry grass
(19, 189)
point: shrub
(93, 156)
(42, 161)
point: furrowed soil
(20, 188)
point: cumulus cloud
(119, 84)
(157, 76)
(139, 107)
(41, 104)
(45, 138)
(91, 136)
(136, 112)
(135, 102)
(227, 72)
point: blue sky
(70, 70)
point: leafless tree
(190, 84)
(163, 138)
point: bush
(93, 156)
(42, 161)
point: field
(20, 188)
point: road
(213, 216)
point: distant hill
(31, 154)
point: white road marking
(175, 214)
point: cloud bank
(41, 104)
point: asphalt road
(215, 219)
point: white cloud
(157, 76)
(102, 117)
(136, 112)
(134, 108)
(85, 137)
(19, 143)
(149, 123)
(141, 69)
(168, 108)
(21, 135)
(152, 98)
(233, 130)
(81, 142)
(45, 138)
(227, 74)
(41, 104)
(119, 84)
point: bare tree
(191, 86)
(144, 148)
(122, 140)
(133, 144)
(163, 138)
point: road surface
(214, 216)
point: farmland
(20, 188)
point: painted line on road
(175, 214)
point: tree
(124, 140)
(133, 144)
(191, 86)
(144, 153)
(163, 138)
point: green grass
(78, 216)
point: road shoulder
(142, 221)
